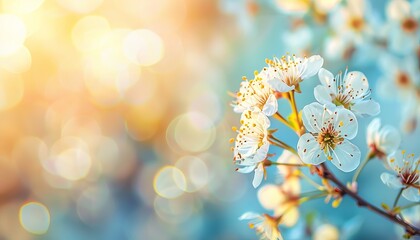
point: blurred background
(115, 116)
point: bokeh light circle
(89, 33)
(195, 171)
(169, 182)
(143, 47)
(12, 33)
(11, 90)
(21, 6)
(192, 132)
(18, 62)
(34, 217)
(80, 6)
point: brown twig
(326, 173)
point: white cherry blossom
(256, 93)
(350, 91)
(406, 175)
(286, 73)
(251, 145)
(330, 130)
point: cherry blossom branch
(326, 173)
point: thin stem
(288, 164)
(279, 117)
(410, 205)
(295, 111)
(363, 203)
(397, 198)
(370, 156)
(312, 182)
(283, 144)
(308, 198)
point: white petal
(398, 9)
(270, 106)
(396, 159)
(346, 156)
(356, 82)
(279, 85)
(327, 80)
(391, 181)
(309, 150)
(346, 122)
(322, 94)
(261, 153)
(368, 107)
(389, 139)
(246, 169)
(258, 176)
(313, 64)
(312, 117)
(411, 194)
(372, 130)
(249, 215)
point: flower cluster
(325, 129)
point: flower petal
(312, 117)
(391, 181)
(327, 80)
(322, 94)
(246, 169)
(270, 107)
(261, 153)
(411, 194)
(368, 107)
(346, 122)
(389, 139)
(373, 130)
(309, 150)
(313, 64)
(279, 85)
(356, 84)
(346, 156)
(396, 159)
(249, 215)
(258, 176)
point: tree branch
(326, 173)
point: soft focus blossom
(265, 225)
(350, 91)
(282, 200)
(406, 175)
(303, 6)
(330, 130)
(286, 73)
(382, 141)
(288, 172)
(350, 21)
(251, 145)
(256, 93)
(399, 76)
(404, 34)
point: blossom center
(329, 138)
(402, 79)
(356, 23)
(409, 25)
(342, 100)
